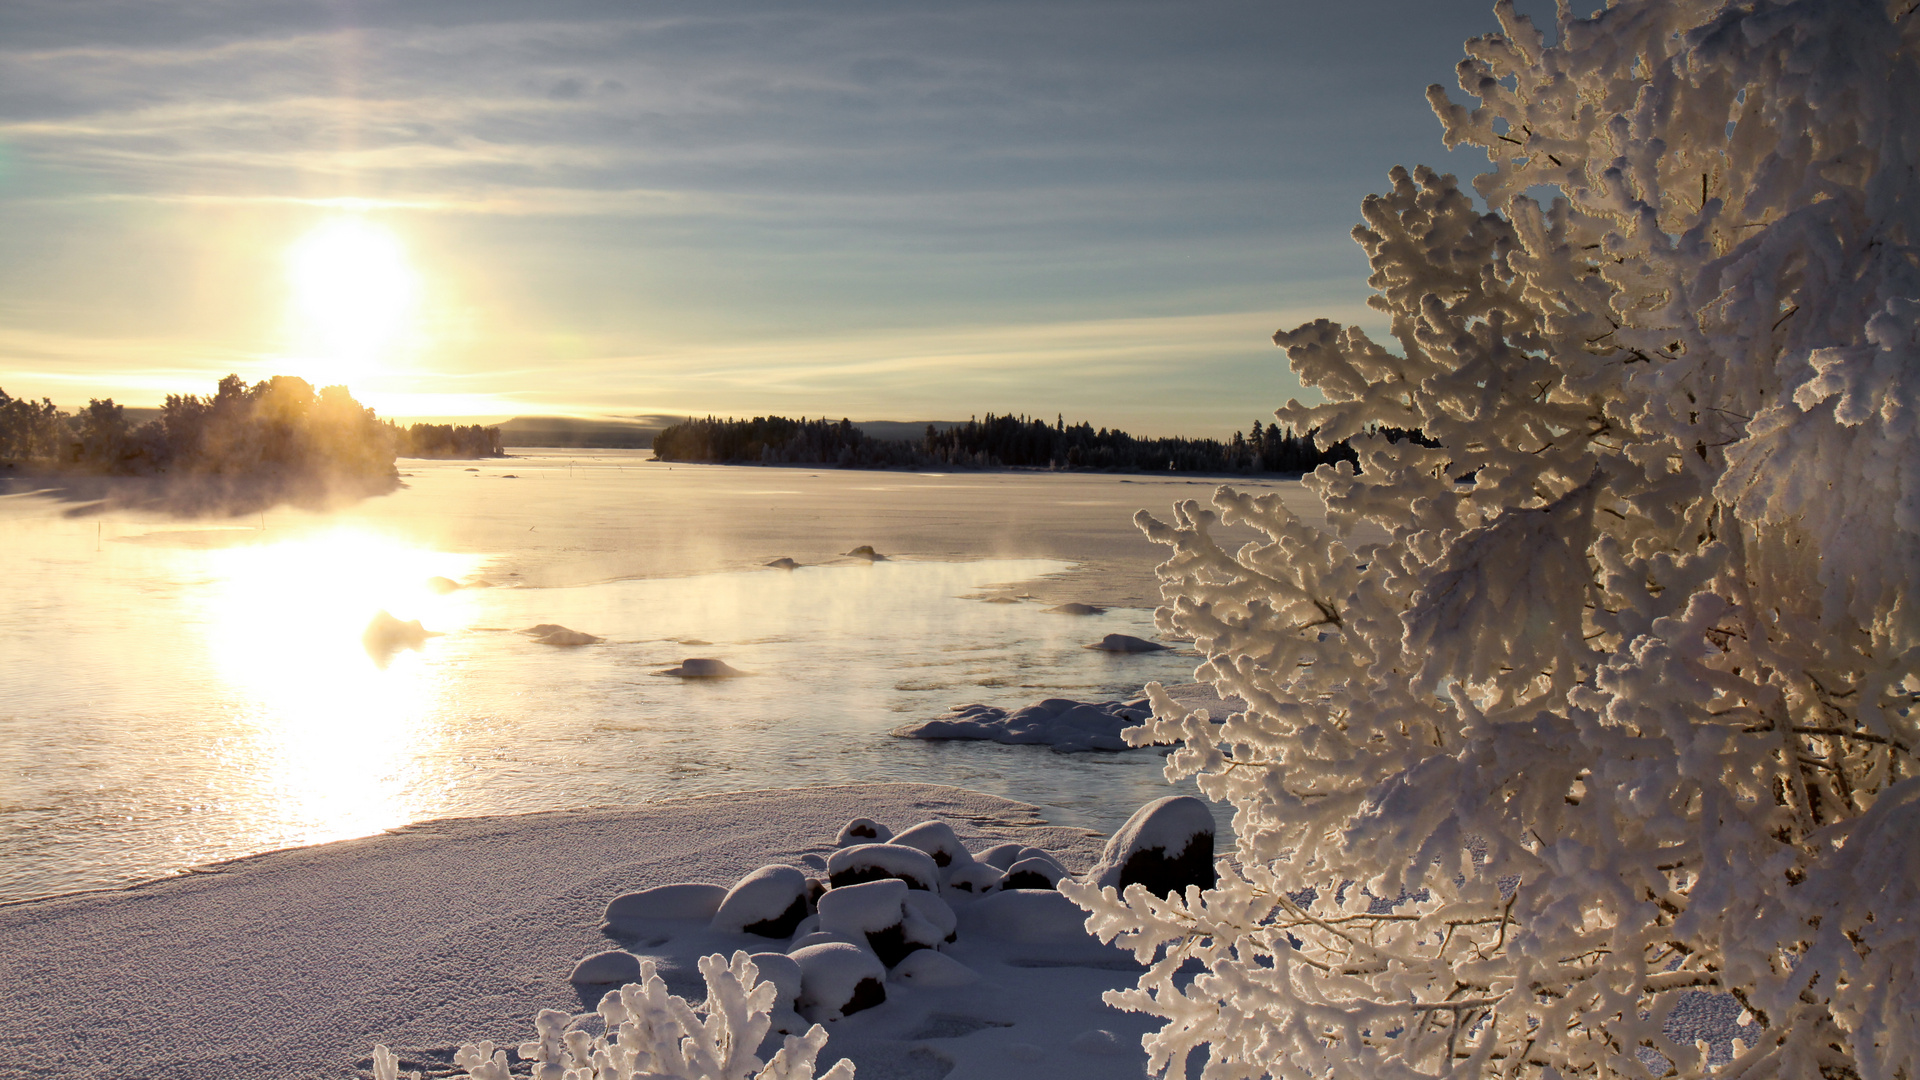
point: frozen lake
(177, 692)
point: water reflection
(330, 722)
(189, 699)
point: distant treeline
(995, 442)
(447, 441)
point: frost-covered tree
(652, 1034)
(1615, 682)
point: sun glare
(354, 295)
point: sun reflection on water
(333, 725)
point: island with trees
(242, 447)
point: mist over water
(181, 692)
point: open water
(176, 692)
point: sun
(354, 296)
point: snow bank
(446, 931)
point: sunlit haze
(903, 212)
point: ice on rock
(973, 879)
(1075, 609)
(889, 916)
(1062, 723)
(770, 902)
(871, 862)
(614, 967)
(837, 980)
(937, 839)
(1165, 846)
(1033, 873)
(784, 563)
(862, 831)
(1000, 856)
(1126, 643)
(703, 667)
(865, 551)
(628, 912)
(928, 968)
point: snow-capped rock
(1166, 845)
(684, 900)
(838, 980)
(770, 902)
(870, 862)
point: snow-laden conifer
(1610, 680)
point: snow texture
(437, 933)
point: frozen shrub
(1612, 671)
(654, 1035)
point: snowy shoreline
(292, 963)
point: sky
(901, 210)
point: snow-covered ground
(292, 964)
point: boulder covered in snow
(893, 919)
(1126, 643)
(871, 862)
(837, 980)
(703, 667)
(784, 563)
(865, 551)
(1165, 846)
(1000, 856)
(928, 968)
(862, 831)
(769, 902)
(1033, 873)
(973, 879)
(782, 971)
(1062, 723)
(614, 967)
(937, 839)
(386, 635)
(684, 900)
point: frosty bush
(1628, 686)
(655, 1035)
